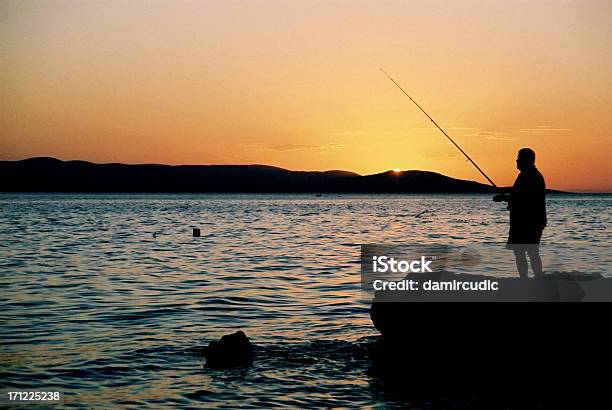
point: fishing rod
(440, 128)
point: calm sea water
(110, 299)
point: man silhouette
(527, 206)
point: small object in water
(422, 213)
(196, 232)
(233, 350)
(318, 195)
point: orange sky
(296, 84)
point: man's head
(525, 158)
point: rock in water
(234, 350)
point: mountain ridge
(48, 174)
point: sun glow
(396, 170)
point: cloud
(446, 128)
(489, 135)
(494, 135)
(303, 147)
(346, 133)
(290, 147)
(501, 138)
(542, 129)
(252, 145)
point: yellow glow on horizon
(297, 85)
(397, 170)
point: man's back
(527, 204)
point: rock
(233, 350)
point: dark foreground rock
(233, 350)
(500, 350)
(394, 313)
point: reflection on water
(110, 299)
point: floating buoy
(196, 232)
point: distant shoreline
(305, 194)
(52, 175)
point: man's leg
(521, 262)
(534, 258)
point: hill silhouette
(45, 174)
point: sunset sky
(296, 84)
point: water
(109, 299)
